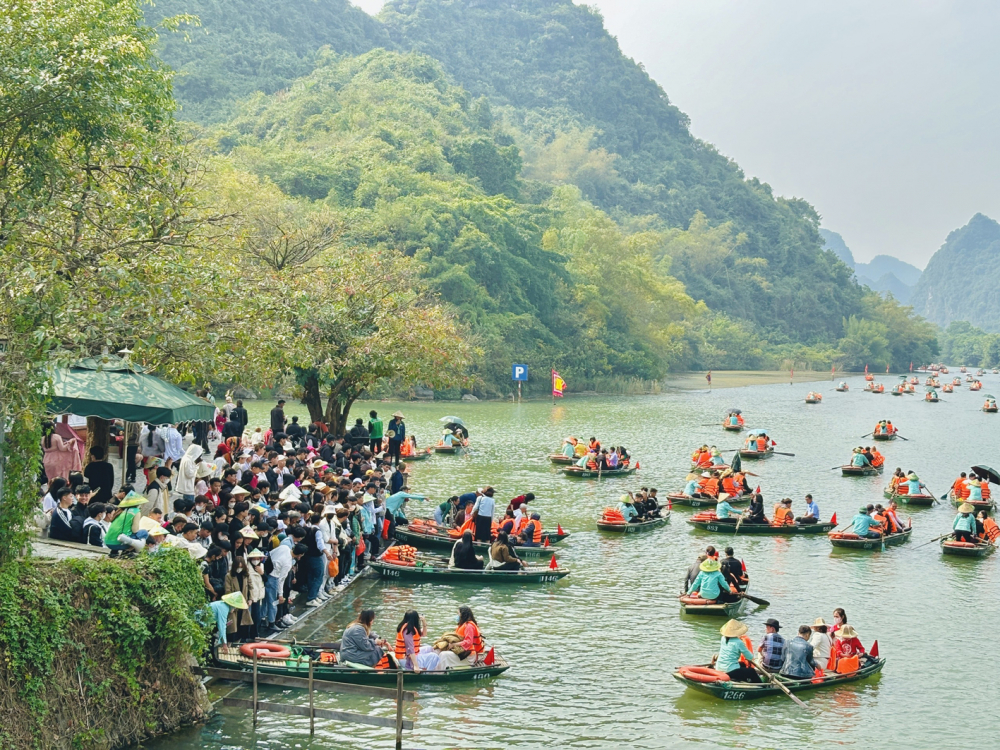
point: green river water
(593, 654)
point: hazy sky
(884, 115)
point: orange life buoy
(959, 544)
(703, 674)
(265, 650)
(696, 600)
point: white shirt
(282, 560)
(821, 643)
(485, 505)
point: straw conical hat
(965, 508)
(847, 632)
(733, 629)
(235, 600)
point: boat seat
(355, 665)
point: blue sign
(519, 373)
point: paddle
(775, 681)
(755, 600)
(938, 539)
(864, 436)
(902, 438)
(782, 453)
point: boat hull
(732, 427)
(977, 504)
(872, 545)
(763, 529)
(559, 459)
(422, 456)
(431, 574)
(884, 437)
(633, 528)
(448, 450)
(577, 473)
(920, 501)
(757, 455)
(950, 547)
(704, 502)
(742, 691)
(727, 609)
(445, 543)
(860, 471)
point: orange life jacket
(401, 645)
(467, 526)
(985, 490)
(761, 444)
(883, 522)
(991, 529)
(536, 531)
(782, 515)
(704, 460)
(877, 458)
(477, 638)
(519, 525)
(595, 446)
(749, 644)
(894, 483)
(729, 486)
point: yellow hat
(733, 629)
(847, 632)
(133, 500)
(249, 533)
(710, 565)
(236, 600)
(965, 508)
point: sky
(884, 115)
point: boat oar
(864, 436)
(902, 438)
(775, 681)
(782, 453)
(937, 539)
(755, 599)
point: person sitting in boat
(691, 486)
(709, 485)
(964, 527)
(502, 555)
(986, 527)
(897, 481)
(624, 457)
(772, 647)
(975, 490)
(821, 640)
(991, 403)
(734, 570)
(755, 513)
(800, 658)
(569, 447)
(726, 513)
(359, 645)
(702, 458)
(729, 485)
(913, 485)
(611, 460)
(531, 533)
(711, 585)
(864, 525)
(594, 446)
(404, 656)
(731, 649)
(734, 420)
(717, 459)
(626, 506)
(812, 512)
(692, 573)
(783, 513)
(892, 516)
(880, 429)
(463, 554)
(859, 459)
(507, 523)
(847, 651)
(877, 458)
(470, 642)
(960, 487)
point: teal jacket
(709, 585)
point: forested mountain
(884, 274)
(239, 47)
(543, 181)
(833, 242)
(882, 265)
(956, 283)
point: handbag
(333, 568)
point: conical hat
(133, 500)
(236, 600)
(733, 629)
(965, 508)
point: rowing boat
(633, 528)
(421, 456)
(853, 541)
(732, 427)
(427, 541)
(813, 400)
(552, 536)
(711, 467)
(918, 500)
(438, 571)
(297, 665)
(698, 607)
(577, 473)
(754, 454)
(743, 691)
(990, 409)
(450, 450)
(966, 549)
(746, 527)
(977, 504)
(559, 458)
(884, 436)
(860, 471)
(677, 498)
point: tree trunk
(312, 399)
(338, 411)
(97, 436)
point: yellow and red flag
(558, 384)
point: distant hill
(956, 284)
(885, 274)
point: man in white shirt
(173, 445)
(278, 565)
(482, 511)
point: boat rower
(913, 485)
(569, 447)
(964, 527)
(726, 513)
(864, 525)
(859, 459)
(710, 584)
(627, 508)
(731, 649)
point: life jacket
(883, 522)
(401, 646)
(877, 458)
(893, 523)
(962, 490)
(519, 525)
(749, 644)
(761, 444)
(467, 526)
(592, 463)
(594, 445)
(406, 449)
(704, 460)
(536, 531)
(729, 486)
(985, 490)
(894, 484)
(991, 529)
(711, 486)
(782, 515)
(477, 638)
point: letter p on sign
(519, 373)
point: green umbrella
(111, 388)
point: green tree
(865, 343)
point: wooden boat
(697, 607)
(444, 542)
(906, 499)
(677, 498)
(883, 436)
(766, 529)
(450, 450)
(754, 454)
(947, 388)
(577, 473)
(559, 458)
(931, 399)
(977, 504)
(963, 368)
(297, 665)
(436, 570)
(841, 388)
(897, 390)
(860, 471)
(745, 691)
(813, 400)
(732, 427)
(965, 549)
(713, 467)
(990, 409)
(976, 386)
(869, 377)
(418, 456)
(914, 380)
(634, 528)
(552, 536)
(853, 541)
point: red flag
(833, 520)
(637, 466)
(757, 491)
(546, 542)
(558, 385)
(744, 566)
(874, 651)
(670, 504)
(559, 529)
(490, 658)
(553, 565)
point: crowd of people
(593, 456)
(866, 456)
(876, 521)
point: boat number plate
(712, 528)
(548, 579)
(733, 695)
(391, 573)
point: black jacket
(232, 428)
(239, 414)
(277, 419)
(62, 529)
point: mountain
(240, 47)
(956, 283)
(882, 265)
(836, 245)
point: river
(593, 654)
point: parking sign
(519, 373)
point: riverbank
(695, 381)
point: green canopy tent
(108, 388)
(111, 388)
